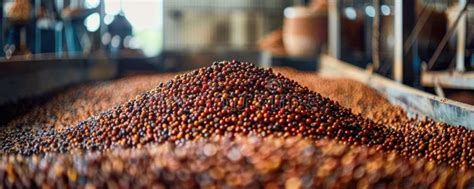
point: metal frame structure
(459, 78)
(406, 31)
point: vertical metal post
(37, 29)
(162, 24)
(2, 30)
(102, 27)
(59, 28)
(334, 29)
(398, 48)
(461, 39)
(403, 68)
(376, 36)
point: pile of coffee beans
(238, 98)
(78, 103)
(242, 162)
(227, 98)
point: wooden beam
(446, 79)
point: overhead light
(115, 42)
(90, 4)
(350, 13)
(370, 11)
(108, 19)
(92, 22)
(385, 10)
(106, 38)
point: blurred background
(47, 45)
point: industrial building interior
(237, 94)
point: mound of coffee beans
(242, 162)
(227, 98)
(238, 98)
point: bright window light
(112, 7)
